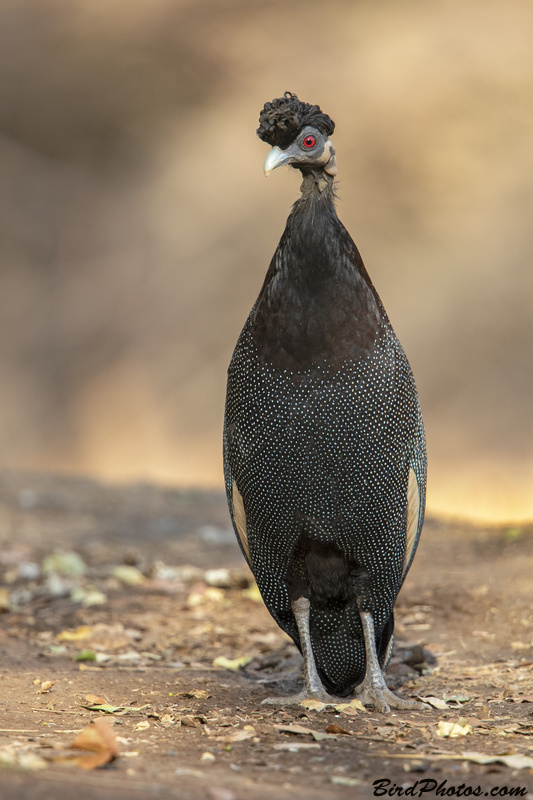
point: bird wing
(414, 522)
(239, 518)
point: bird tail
(334, 583)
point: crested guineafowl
(324, 448)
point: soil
(133, 605)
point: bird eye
(309, 141)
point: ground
(132, 606)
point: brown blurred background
(136, 224)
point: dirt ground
(132, 606)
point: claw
(384, 700)
(295, 699)
(373, 691)
(313, 688)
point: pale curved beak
(276, 158)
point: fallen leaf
(85, 655)
(219, 577)
(88, 596)
(189, 721)
(333, 728)
(452, 730)
(46, 686)
(436, 702)
(106, 708)
(238, 736)
(314, 705)
(231, 663)
(100, 740)
(129, 575)
(293, 747)
(142, 726)
(94, 699)
(340, 780)
(515, 761)
(350, 708)
(76, 635)
(457, 698)
(66, 564)
(318, 736)
(205, 594)
(5, 598)
(11, 757)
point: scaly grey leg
(373, 690)
(313, 688)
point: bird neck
(317, 303)
(317, 182)
(310, 246)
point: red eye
(309, 141)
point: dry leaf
(100, 740)
(295, 746)
(515, 761)
(452, 730)
(314, 705)
(76, 635)
(142, 726)
(457, 698)
(11, 757)
(94, 699)
(46, 686)
(350, 708)
(436, 702)
(238, 736)
(341, 780)
(333, 728)
(129, 575)
(199, 694)
(318, 736)
(107, 708)
(347, 708)
(232, 663)
(189, 721)
(5, 598)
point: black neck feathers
(317, 306)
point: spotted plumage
(324, 449)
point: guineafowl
(324, 447)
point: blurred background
(136, 224)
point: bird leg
(373, 690)
(313, 688)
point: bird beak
(276, 158)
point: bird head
(299, 134)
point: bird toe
(320, 696)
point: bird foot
(319, 695)
(384, 700)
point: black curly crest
(281, 120)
